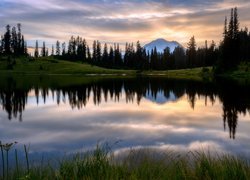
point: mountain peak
(161, 44)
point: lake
(57, 115)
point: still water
(58, 117)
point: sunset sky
(121, 20)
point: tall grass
(102, 163)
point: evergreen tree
(63, 49)
(117, 56)
(47, 52)
(94, 54)
(84, 50)
(43, 53)
(111, 57)
(20, 49)
(225, 29)
(70, 46)
(139, 56)
(105, 55)
(14, 45)
(36, 53)
(7, 40)
(58, 48)
(230, 34)
(191, 52)
(52, 51)
(24, 49)
(154, 59)
(88, 55)
(98, 52)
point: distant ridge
(161, 44)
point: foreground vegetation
(133, 164)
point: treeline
(233, 49)
(12, 42)
(133, 56)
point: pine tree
(139, 56)
(230, 33)
(191, 52)
(24, 49)
(58, 48)
(36, 54)
(63, 49)
(111, 57)
(105, 55)
(88, 55)
(84, 50)
(14, 45)
(117, 56)
(47, 52)
(43, 53)
(94, 54)
(235, 25)
(52, 51)
(225, 29)
(19, 40)
(98, 52)
(7, 40)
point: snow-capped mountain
(160, 98)
(161, 44)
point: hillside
(50, 65)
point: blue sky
(121, 21)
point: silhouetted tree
(63, 49)
(52, 51)
(105, 56)
(43, 52)
(191, 52)
(36, 53)
(58, 48)
(7, 40)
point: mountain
(160, 97)
(161, 44)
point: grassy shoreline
(102, 163)
(53, 67)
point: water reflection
(235, 99)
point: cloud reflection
(73, 118)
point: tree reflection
(235, 100)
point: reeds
(6, 147)
(103, 163)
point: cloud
(121, 21)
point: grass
(102, 163)
(51, 66)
